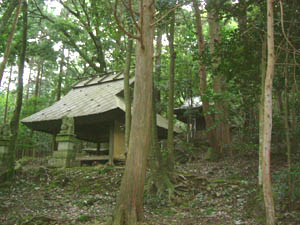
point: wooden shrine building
(191, 113)
(98, 109)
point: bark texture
(127, 94)
(171, 157)
(7, 96)
(219, 86)
(266, 172)
(129, 209)
(14, 123)
(261, 107)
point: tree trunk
(171, 157)
(261, 108)
(203, 83)
(28, 84)
(7, 95)
(7, 15)
(158, 62)
(58, 95)
(287, 129)
(129, 209)
(221, 112)
(127, 94)
(159, 176)
(14, 123)
(266, 173)
(41, 80)
(9, 41)
(294, 116)
(159, 179)
(214, 31)
(60, 75)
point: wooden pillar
(111, 144)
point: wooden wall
(119, 140)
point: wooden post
(111, 144)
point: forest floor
(217, 193)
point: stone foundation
(65, 155)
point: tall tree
(266, 172)
(261, 108)
(127, 93)
(14, 123)
(9, 41)
(203, 81)
(171, 156)
(219, 84)
(129, 209)
(7, 95)
(7, 15)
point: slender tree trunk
(7, 95)
(28, 84)
(14, 123)
(171, 157)
(294, 116)
(40, 81)
(158, 61)
(203, 83)
(9, 41)
(58, 96)
(127, 94)
(261, 107)
(36, 95)
(60, 75)
(287, 129)
(7, 15)
(266, 172)
(129, 209)
(159, 177)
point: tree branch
(282, 28)
(120, 25)
(131, 11)
(171, 10)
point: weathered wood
(111, 144)
(119, 140)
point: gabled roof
(87, 97)
(91, 102)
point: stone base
(65, 156)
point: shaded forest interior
(202, 126)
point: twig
(289, 42)
(282, 27)
(164, 16)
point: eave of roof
(82, 100)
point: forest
(162, 112)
